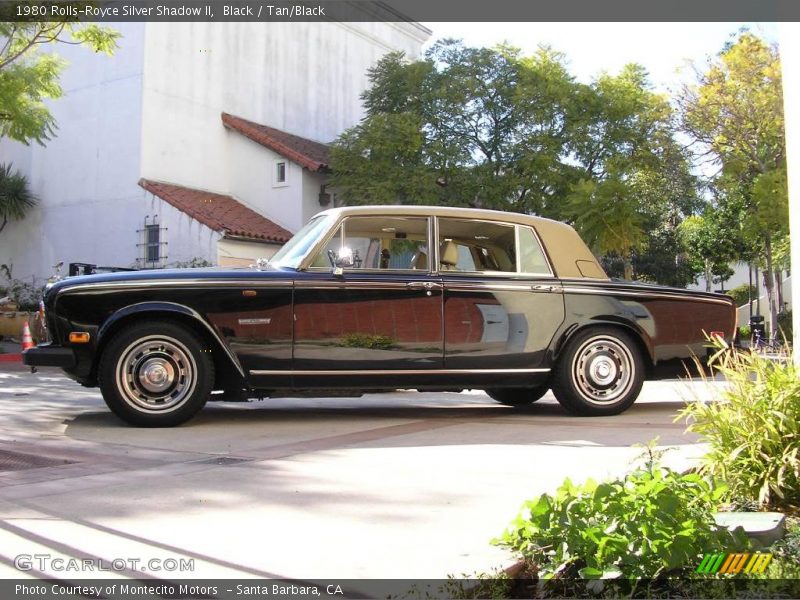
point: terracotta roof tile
(220, 213)
(312, 155)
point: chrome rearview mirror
(342, 260)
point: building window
(153, 242)
(280, 172)
(153, 245)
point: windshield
(296, 248)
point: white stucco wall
(304, 78)
(251, 169)
(186, 238)
(86, 177)
(153, 110)
(311, 188)
(236, 253)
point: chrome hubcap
(156, 374)
(603, 370)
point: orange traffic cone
(27, 340)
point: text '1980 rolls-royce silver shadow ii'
(379, 298)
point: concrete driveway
(401, 485)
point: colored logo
(734, 563)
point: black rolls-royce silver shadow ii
(372, 298)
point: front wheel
(156, 374)
(600, 372)
(517, 396)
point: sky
(662, 48)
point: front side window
(383, 243)
(476, 246)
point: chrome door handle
(424, 285)
(543, 288)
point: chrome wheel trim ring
(156, 374)
(603, 370)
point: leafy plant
(785, 327)
(16, 198)
(652, 522)
(365, 340)
(25, 294)
(742, 293)
(753, 431)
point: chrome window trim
(226, 283)
(657, 295)
(344, 283)
(350, 372)
(499, 287)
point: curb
(10, 358)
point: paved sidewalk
(400, 485)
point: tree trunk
(708, 275)
(769, 283)
(628, 267)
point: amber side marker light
(79, 337)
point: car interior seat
(448, 255)
(420, 260)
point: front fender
(127, 313)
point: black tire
(517, 396)
(599, 373)
(156, 374)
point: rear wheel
(156, 374)
(600, 372)
(517, 396)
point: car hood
(209, 273)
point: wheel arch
(227, 365)
(641, 339)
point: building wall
(304, 78)
(252, 181)
(86, 176)
(236, 253)
(153, 110)
(187, 239)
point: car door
(502, 304)
(381, 312)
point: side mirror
(342, 260)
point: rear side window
(531, 255)
(476, 246)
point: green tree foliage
(15, 196)
(495, 129)
(29, 75)
(735, 113)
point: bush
(740, 293)
(26, 295)
(365, 340)
(785, 328)
(754, 431)
(651, 522)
